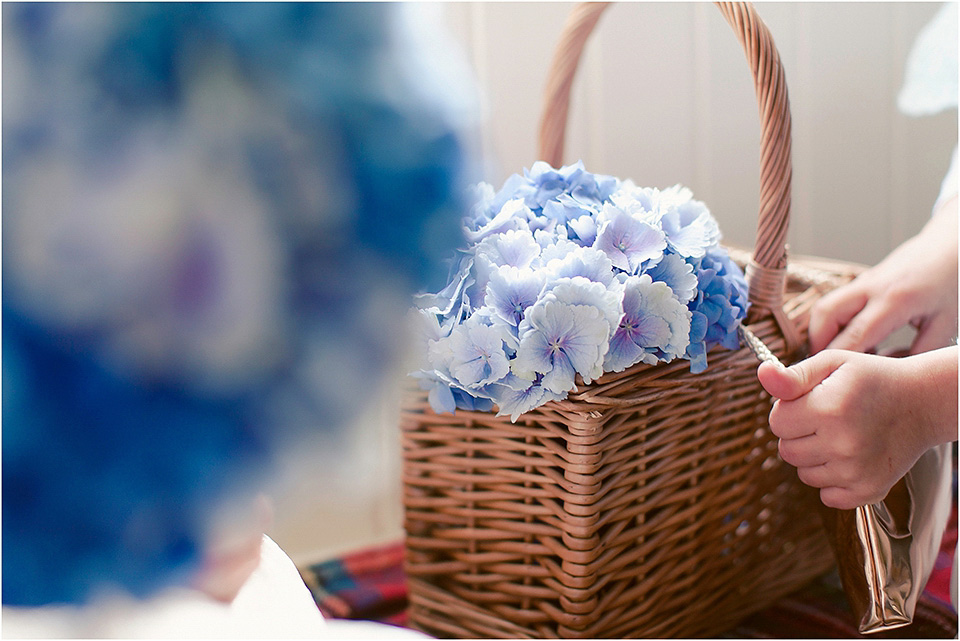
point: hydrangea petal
(584, 229)
(579, 290)
(511, 290)
(628, 241)
(440, 398)
(553, 334)
(678, 274)
(653, 320)
(515, 247)
(519, 401)
(513, 215)
(690, 229)
(476, 354)
(587, 262)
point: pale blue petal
(586, 344)
(515, 247)
(560, 378)
(690, 229)
(678, 274)
(517, 402)
(441, 399)
(582, 291)
(697, 354)
(476, 354)
(588, 262)
(622, 354)
(628, 241)
(510, 291)
(558, 248)
(563, 209)
(513, 215)
(578, 332)
(585, 229)
(471, 372)
(533, 355)
(654, 320)
(651, 331)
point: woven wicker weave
(651, 503)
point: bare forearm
(935, 393)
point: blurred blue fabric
(214, 216)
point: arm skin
(853, 424)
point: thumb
(790, 383)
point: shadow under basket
(650, 503)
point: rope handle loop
(766, 272)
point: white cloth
(930, 84)
(948, 188)
(273, 603)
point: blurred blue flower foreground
(210, 212)
(570, 273)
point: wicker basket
(651, 503)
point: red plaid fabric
(367, 584)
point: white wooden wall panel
(664, 96)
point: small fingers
(840, 498)
(848, 498)
(802, 452)
(833, 312)
(869, 327)
(789, 420)
(938, 332)
(820, 476)
(832, 494)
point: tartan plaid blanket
(370, 584)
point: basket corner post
(580, 538)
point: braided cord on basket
(758, 347)
(766, 272)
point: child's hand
(853, 424)
(916, 285)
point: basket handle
(766, 271)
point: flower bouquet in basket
(571, 273)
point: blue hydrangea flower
(587, 262)
(513, 215)
(445, 397)
(655, 326)
(511, 290)
(690, 229)
(587, 188)
(559, 341)
(555, 245)
(452, 302)
(516, 400)
(718, 307)
(629, 241)
(578, 290)
(583, 230)
(564, 208)
(654, 202)
(586, 274)
(477, 355)
(678, 274)
(546, 183)
(515, 247)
